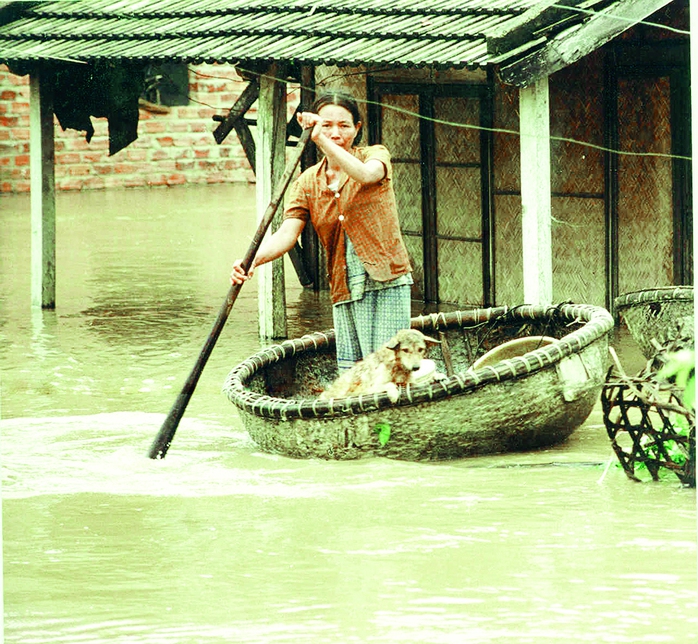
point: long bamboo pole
(163, 440)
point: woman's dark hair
(342, 99)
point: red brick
(68, 157)
(8, 95)
(71, 184)
(79, 170)
(155, 127)
(176, 180)
(77, 144)
(137, 181)
(22, 159)
(92, 157)
(229, 98)
(157, 180)
(136, 155)
(93, 183)
(166, 141)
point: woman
(349, 199)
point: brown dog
(394, 364)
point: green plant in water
(681, 366)
(383, 431)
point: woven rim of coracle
(650, 295)
(597, 322)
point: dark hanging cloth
(107, 89)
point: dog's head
(410, 346)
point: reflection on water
(221, 543)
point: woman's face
(338, 125)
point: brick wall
(172, 149)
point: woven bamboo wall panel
(407, 182)
(579, 256)
(507, 154)
(460, 272)
(457, 144)
(645, 186)
(577, 115)
(508, 250)
(400, 130)
(458, 195)
(415, 248)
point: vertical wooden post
(694, 182)
(270, 162)
(312, 250)
(534, 114)
(43, 194)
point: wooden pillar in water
(270, 163)
(534, 114)
(43, 194)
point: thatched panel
(508, 250)
(457, 144)
(577, 115)
(400, 130)
(458, 193)
(460, 272)
(579, 250)
(645, 208)
(507, 152)
(347, 79)
(407, 181)
(415, 248)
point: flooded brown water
(221, 543)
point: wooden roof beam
(549, 16)
(573, 44)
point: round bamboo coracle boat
(534, 397)
(658, 316)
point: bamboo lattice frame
(640, 415)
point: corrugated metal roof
(438, 33)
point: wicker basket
(522, 402)
(652, 432)
(658, 316)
